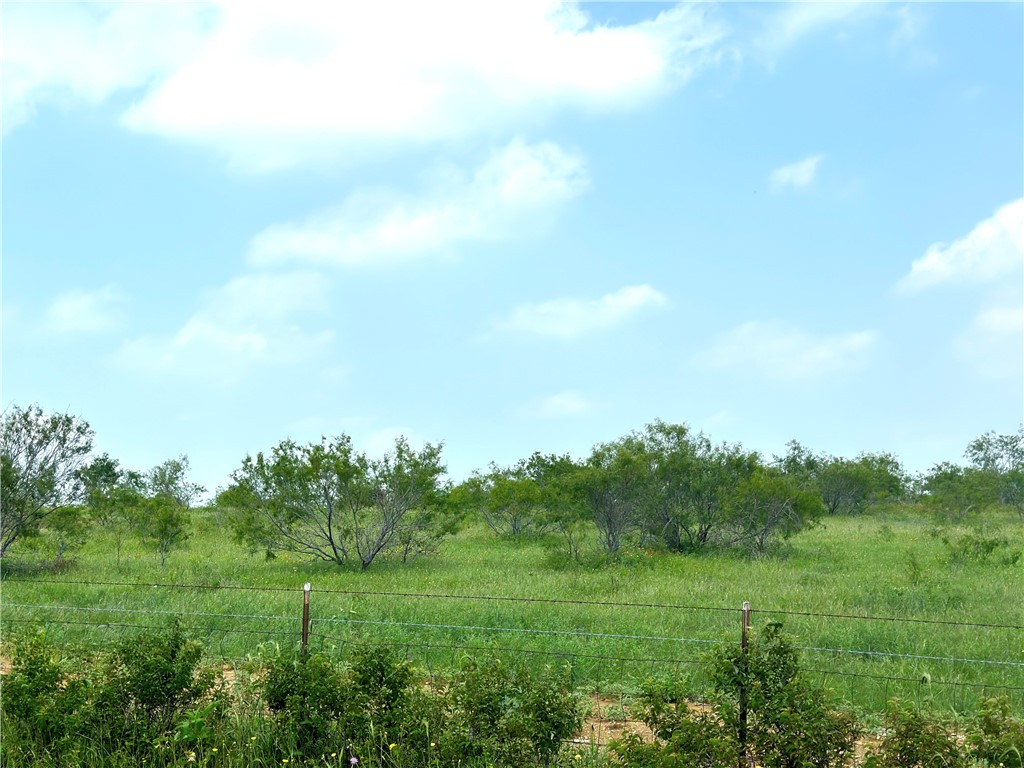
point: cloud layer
(250, 320)
(82, 312)
(516, 185)
(787, 353)
(990, 251)
(320, 79)
(572, 318)
(798, 175)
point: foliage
(39, 458)
(997, 736)
(113, 497)
(611, 486)
(1001, 457)
(981, 547)
(504, 715)
(915, 738)
(327, 501)
(130, 700)
(306, 696)
(163, 524)
(846, 486)
(952, 492)
(149, 684)
(687, 501)
(68, 527)
(42, 702)
(768, 506)
(789, 723)
(529, 497)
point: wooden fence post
(305, 617)
(744, 669)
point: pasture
(883, 606)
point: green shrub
(43, 703)
(916, 739)
(305, 693)
(148, 684)
(503, 715)
(789, 724)
(996, 736)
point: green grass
(897, 567)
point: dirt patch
(609, 719)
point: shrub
(147, 685)
(305, 693)
(996, 736)
(42, 703)
(503, 715)
(789, 723)
(916, 739)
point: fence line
(514, 630)
(528, 651)
(595, 665)
(547, 600)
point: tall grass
(894, 567)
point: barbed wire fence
(335, 621)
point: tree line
(664, 485)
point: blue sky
(514, 226)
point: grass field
(554, 611)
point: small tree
(164, 524)
(39, 458)
(330, 502)
(68, 526)
(163, 519)
(114, 497)
(768, 506)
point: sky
(514, 226)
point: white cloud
(993, 345)
(787, 353)
(790, 23)
(571, 318)
(79, 312)
(992, 250)
(283, 83)
(70, 54)
(798, 175)
(559, 405)
(516, 185)
(250, 321)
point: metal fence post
(305, 617)
(744, 667)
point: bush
(996, 736)
(917, 739)
(503, 715)
(305, 693)
(43, 703)
(789, 724)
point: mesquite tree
(330, 502)
(39, 459)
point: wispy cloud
(81, 54)
(990, 251)
(789, 23)
(993, 344)
(571, 318)
(310, 81)
(249, 321)
(787, 353)
(556, 406)
(515, 186)
(81, 312)
(798, 175)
